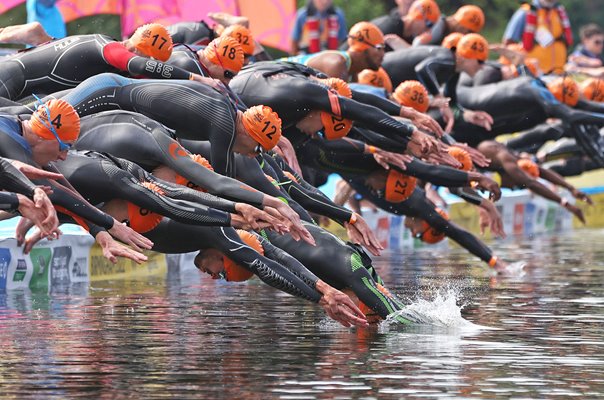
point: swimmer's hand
(43, 215)
(360, 233)
(490, 217)
(485, 183)
(422, 121)
(339, 307)
(480, 118)
(387, 158)
(292, 220)
(129, 236)
(579, 195)
(112, 249)
(576, 211)
(255, 218)
(421, 145)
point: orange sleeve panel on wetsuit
(121, 58)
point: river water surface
(536, 334)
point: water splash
(515, 269)
(441, 311)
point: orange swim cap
(593, 89)
(529, 167)
(64, 120)
(399, 186)
(379, 78)
(470, 17)
(431, 235)
(334, 125)
(153, 40)
(462, 156)
(141, 219)
(412, 94)
(233, 271)
(424, 9)
(263, 125)
(565, 90)
(181, 180)
(473, 46)
(451, 40)
(242, 35)
(364, 35)
(225, 52)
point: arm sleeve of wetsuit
(177, 158)
(309, 197)
(9, 202)
(270, 272)
(375, 139)
(439, 175)
(289, 262)
(175, 191)
(127, 186)
(427, 72)
(251, 173)
(389, 107)
(375, 119)
(116, 55)
(363, 114)
(73, 202)
(13, 180)
(590, 106)
(467, 194)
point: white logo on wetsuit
(164, 69)
(64, 43)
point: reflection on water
(533, 335)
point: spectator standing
(543, 28)
(319, 26)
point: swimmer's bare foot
(32, 33)
(228, 19)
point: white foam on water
(515, 269)
(441, 311)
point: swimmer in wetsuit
(194, 110)
(421, 16)
(199, 61)
(151, 145)
(339, 264)
(305, 104)
(46, 137)
(467, 19)
(64, 63)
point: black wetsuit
(288, 91)
(391, 23)
(195, 33)
(520, 104)
(418, 206)
(439, 31)
(340, 265)
(64, 63)
(430, 65)
(194, 110)
(149, 144)
(13, 180)
(101, 178)
(292, 278)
